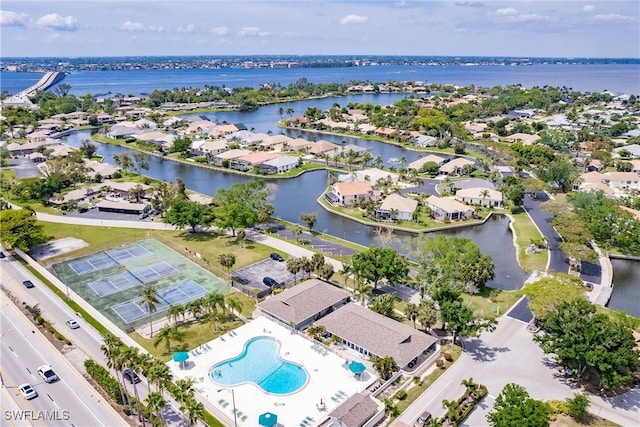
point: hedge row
(108, 383)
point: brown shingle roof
(376, 333)
(303, 301)
(356, 410)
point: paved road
(69, 401)
(558, 261)
(510, 355)
(86, 339)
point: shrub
(558, 407)
(200, 159)
(440, 363)
(447, 356)
(400, 395)
(106, 381)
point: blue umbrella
(267, 419)
(180, 356)
(357, 367)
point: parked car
(27, 391)
(143, 215)
(270, 281)
(423, 419)
(28, 284)
(2, 255)
(276, 257)
(71, 323)
(47, 374)
(130, 376)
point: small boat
(394, 160)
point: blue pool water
(260, 364)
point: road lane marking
(22, 400)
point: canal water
(626, 286)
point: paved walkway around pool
(327, 377)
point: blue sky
(597, 28)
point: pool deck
(327, 377)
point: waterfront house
(371, 175)
(323, 147)
(480, 196)
(16, 149)
(461, 184)
(94, 168)
(386, 132)
(61, 150)
(275, 140)
(222, 130)
(122, 131)
(299, 144)
(456, 166)
(213, 148)
(156, 137)
(343, 151)
(418, 164)
(372, 334)
(304, 303)
(126, 190)
(366, 128)
(226, 157)
(279, 164)
(447, 208)
(396, 207)
(351, 193)
(250, 160)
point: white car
(72, 324)
(47, 374)
(27, 391)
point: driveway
(253, 274)
(509, 355)
(316, 242)
(23, 167)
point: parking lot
(98, 214)
(253, 274)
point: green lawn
(492, 303)
(525, 231)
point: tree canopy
(377, 263)
(239, 205)
(183, 213)
(20, 229)
(582, 339)
(545, 294)
(514, 407)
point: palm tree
(130, 359)
(451, 407)
(346, 272)
(155, 404)
(484, 193)
(362, 291)
(193, 409)
(378, 162)
(150, 298)
(215, 317)
(165, 335)
(160, 375)
(173, 312)
(182, 311)
(234, 305)
(215, 300)
(411, 312)
(427, 313)
(294, 266)
(296, 230)
(227, 261)
(384, 366)
(403, 161)
(112, 348)
(366, 158)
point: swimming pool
(259, 363)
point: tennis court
(92, 263)
(135, 309)
(152, 272)
(114, 284)
(130, 252)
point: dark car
(2, 255)
(270, 281)
(276, 257)
(130, 376)
(423, 419)
(28, 284)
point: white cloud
(186, 30)
(252, 32)
(507, 11)
(613, 17)
(588, 8)
(13, 19)
(354, 19)
(133, 26)
(221, 31)
(53, 21)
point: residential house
(524, 138)
(37, 157)
(372, 334)
(94, 168)
(75, 195)
(418, 164)
(323, 147)
(396, 207)
(351, 193)
(125, 190)
(222, 130)
(16, 149)
(343, 151)
(634, 149)
(424, 141)
(635, 166)
(226, 157)
(122, 131)
(156, 137)
(252, 159)
(279, 164)
(593, 181)
(447, 208)
(275, 140)
(299, 144)
(213, 148)
(622, 180)
(359, 410)
(460, 184)
(386, 132)
(61, 150)
(456, 166)
(366, 128)
(371, 175)
(480, 196)
(304, 303)
(123, 207)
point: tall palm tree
(385, 366)
(215, 301)
(182, 390)
(165, 335)
(362, 291)
(411, 312)
(427, 313)
(403, 161)
(150, 298)
(346, 272)
(131, 359)
(173, 312)
(214, 316)
(155, 403)
(193, 409)
(484, 194)
(112, 349)
(160, 375)
(234, 305)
